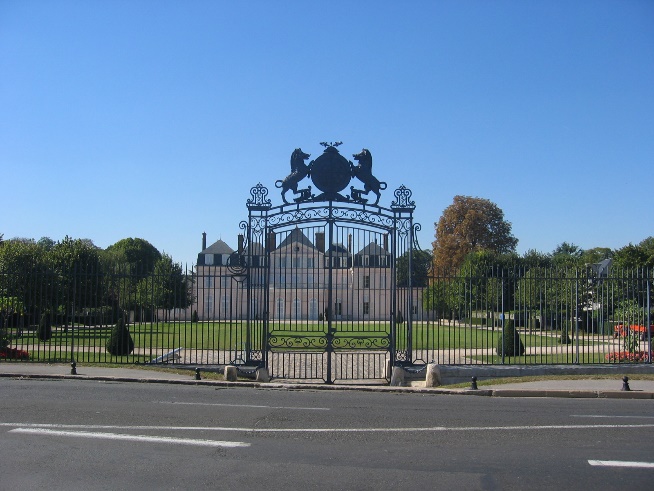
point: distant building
(298, 280)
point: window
(208, 281)
(383, 260)
(208, 259)
(280, 308)
(297, 309)
(366, 281)
(297, 262)
(366, 308)
(309, 262)
(366, 260)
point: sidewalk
(561, 387)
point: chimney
(349, 243)
(240, 244)
(386, 242)
(272, 241)
(320, 241)
(204, 240)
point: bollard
(231, 373)
(473, 385)
(262, 375)
(197, 374)
(397, 377)
(73, 368)
(625, 383)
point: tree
(595, 255)
(567, 255)
(168, 288)
(635, 256)
(138, 254)
(120, 342)
(46, 243)
(420, 264)
(25, 274)
(470, 224)
(131, 261)
(509, 342)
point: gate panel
(322, 296)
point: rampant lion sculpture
(363, 172)
(299, 170)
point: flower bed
(627, 357)
(14, 354)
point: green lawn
(156, 338)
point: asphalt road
(67, 434)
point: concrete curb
(551, 393)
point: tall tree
(138, 254)
(168, 288)
(635, 256)
(567, 255)
(467, 225)
(420, 264)
(76, 263)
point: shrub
(120, 341)
(509, 342)
(44, 331)
(195, 317)
(565, 334)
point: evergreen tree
(45, 327)
(120, 342)
(509, 341)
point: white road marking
(243, 405)
(621, 463)
(333, 430)
(132, 438)
(623, 416)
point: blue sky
(154, 119)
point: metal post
(502, 319)
(330, 296)
(577, 316)
(649, 324)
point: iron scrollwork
(403, 199)
(290, 341)
(354, 342)
(259, 199)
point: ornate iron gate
(321, 274)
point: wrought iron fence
(535, 316)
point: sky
(154, 119)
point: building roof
(373, 249)
(296, 237)
(218, 247)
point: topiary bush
(565, 335)
(44, 331)
(120, 342)
(509, 341)
(195, 317)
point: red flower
(14, 354)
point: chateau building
(297, 278)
